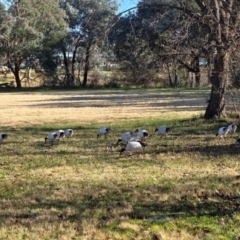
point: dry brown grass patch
(24, 108)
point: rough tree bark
(216, 106)
(17, 77)
(66, 67)
(86, 65)
(15, 70)
(219, 76)
(218, 22)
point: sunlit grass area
(182, 186)
(95, 106)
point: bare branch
(201, 5)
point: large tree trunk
(17, 79)
(66, 66)
(73, 67)
(86, 65)
(15, 70)
(219, 75)
(216, 105)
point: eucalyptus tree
(88, 22)
(136, 43)
(218, 26)
(181, 40)
(151, 38)
(35, 25)
(5, 25)
(125, 38)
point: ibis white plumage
(141, 133)
(232, 128)
(134, 139)
(68, 133)
(103, 131)
(51, 137)
(125, 137)
(60, 133)
(133, 146)
(222, 131)
(162, 130)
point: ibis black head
(108, 130)
(46, 139)
(4, 136)
(61, 135)
(145, 134)
(55, 135)
(143, 144)
(119, 140)
(237, 141)
(168, 130)
(156, 129)
(122, 150)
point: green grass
(183, 186)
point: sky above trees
(123, 4)
(126, 4)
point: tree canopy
(31, 26)
(88, 22)
(177, 33)
(197, 28)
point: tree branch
(190, 69)
(201, 5)
(160, 5)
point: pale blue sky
(126, 4)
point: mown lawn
(183, 186)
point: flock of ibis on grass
(133, 141)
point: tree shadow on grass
(196, 202)
(104, 204)
(170, 101)
(213, 150)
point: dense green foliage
(192, 31)
(88, 22)
(64, 38)
(32, 26)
